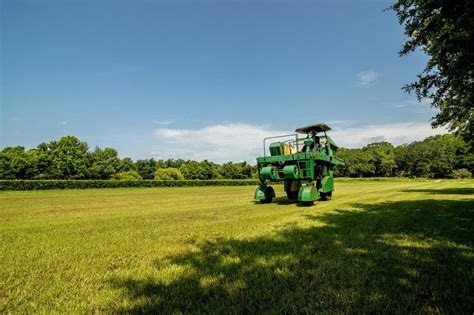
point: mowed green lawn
(388, 246)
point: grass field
(391, 246)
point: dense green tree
(125, 165)
(382, 157)
(402, 158)
(103, 163)
(62, 159)
(200, 170)
(41, 163)
(169, 173)
(435, 157)
(146, 168)
(170, 163)
(208, 170)
(128, 175)
(236, 170)
(444, 31)
(14, 163)
(358, 163)
(190, 170)
(462, 173)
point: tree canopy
(443, 30)
(169, 173)
(69, 158)
(441, 156)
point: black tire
(292, 195)
(269, 194)
(325, 196)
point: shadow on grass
(397, 257)
(444, 191)
(281, 201)
(277, 200)
(284, 201)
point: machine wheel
(292, 188)
(325, 196)
(269, 194)
(292, 195)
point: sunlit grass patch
(397, 247)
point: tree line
(444, 31)
(70, 158)
(442, 156)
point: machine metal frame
(307, 171)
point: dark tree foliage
(14, 163)
(443, 30)
(69, 158)
(382, 157)
(103, 163)
(441, 156)
(146, 168)
(434, 157)
(170, 163)
(126, 165)
(199, 170)
(232, 170)
(358, 163)
(65, 158)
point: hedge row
(379, 179)
(83, 184)
(86, 183)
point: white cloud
(163, 122)
(397, 133)
(423, 104)
(366, 78)
(220, 143)
(63, 123)
(336, 124)
(244, 142)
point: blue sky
(204, 79)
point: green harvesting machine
(303, 163)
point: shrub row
(379, 179)
(84, 184)
(92, 183)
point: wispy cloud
(396, 133)
(424, 103)
(243, 142)
(336, 124)
(367, 78)
(163, 122)
(63, 123)
(220, 142)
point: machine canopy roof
(318, 127)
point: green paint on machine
(304, 163)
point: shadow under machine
(303, 161)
